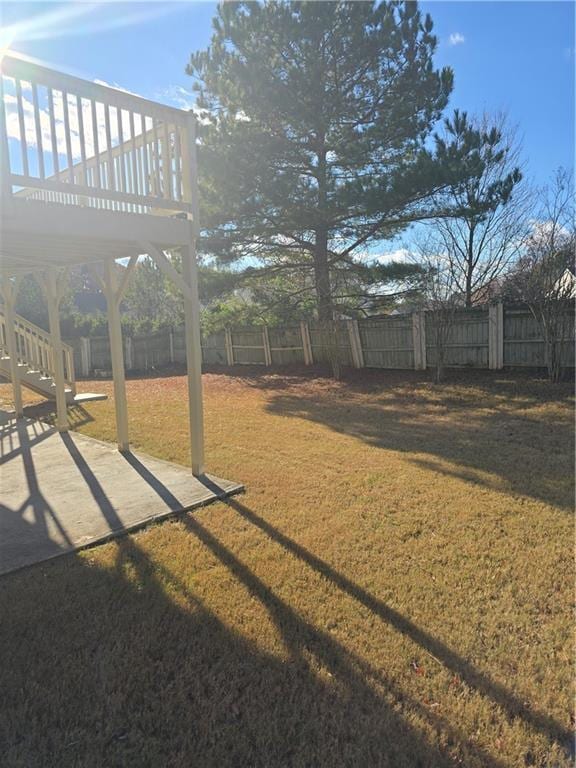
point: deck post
(9, 292)
(193, 356)
(53, 291)
(113, 297)
(192, 338)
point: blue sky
(511, 56)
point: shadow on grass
(127, 665)
(462, 435)
(475, 679)
(103, 667)
(526, 385)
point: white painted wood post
(306, 345)
(193, 356)
(193, 341)
(53, 291)
(266, 342)
(355, 343)
(171, 345)
(85, 356)
(496, 336)
(9, 292)
(113, 297)
(188, 284)
(229, 347)
(419, 340)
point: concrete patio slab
(61, 492)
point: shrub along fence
(489, 337)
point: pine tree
(316, 139)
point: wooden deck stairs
(35, 359)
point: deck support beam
(193, 357)
(187, 282)
(54, 284)
(114, 284)
(9, 292)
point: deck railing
(34, 347)
(77, 142)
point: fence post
(128, 351)
(229, 347)
(500, 335)
(306, 345)
(355, 343)
(171, 343)
(267, 350)
(496, 336)
(419, 340)
(85, 356)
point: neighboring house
(406, 308)
(484, 295)
(488, 293)
(565, 286)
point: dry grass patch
(393, 589)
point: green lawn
(394, 588)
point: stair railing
(34, 348)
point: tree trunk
(469, 267)
(550, 327)
(324, 301)
(322, 268)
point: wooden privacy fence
(490, 337)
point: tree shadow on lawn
(512, 706)
(104, 667)
(519, 387)
(462, 436)
(126, 665)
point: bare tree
(544, 277)
(485, 240)
(439, 297)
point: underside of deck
(39, 235)
(65, 491)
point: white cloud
(548, 233)
(456, 38)
(117, 87)
(399, 254)
(177, 96)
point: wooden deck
(63, 491)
